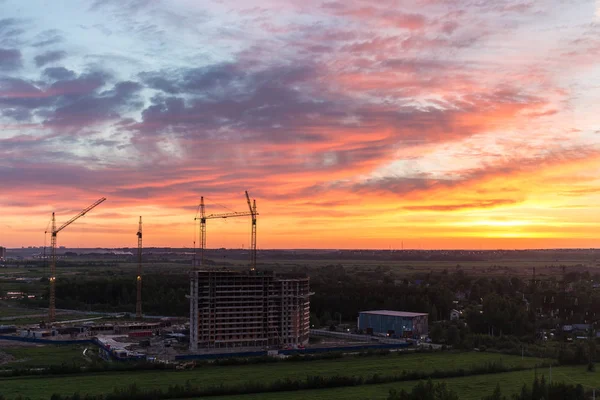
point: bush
(591, 367)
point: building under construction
(250, 309)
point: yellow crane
(203, 217)
(253, 213)
(138, 303)
(52, 309)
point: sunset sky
(354, 123)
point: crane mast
(203, 217)
(138, 303)
(253, 213)
(52, 308)
(52, 279)
(202, 231)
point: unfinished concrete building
(251, 309)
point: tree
(433, 314)
(314, 321)
(436, 333)
(453, 335)
(338, 317)
(325, 318)
(497, 395)
(425, 391)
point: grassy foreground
(38, 387)
(467, 388)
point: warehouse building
(251, 309)
(393, 323)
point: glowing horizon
(435, 124)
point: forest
(494, 306)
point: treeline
(540, 390)
(495, 306)
(457, 334)
(343, 292)
(163, 294)
(68, 369)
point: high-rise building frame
(252, 309)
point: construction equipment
(203, 217)
(54, 231)
(138, 303)
(253, 213)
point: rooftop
(394, 313)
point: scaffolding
(251, 309)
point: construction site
(230, 310)
(234, 311)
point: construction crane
(52, 309)
(203, 217)
(138, 303)
(253, 213)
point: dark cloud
(47, 38)
(194, 80)
(82, 85)
(24, 94)
(225, 78)
(59, 73)
(18, 114)
(49, 57)
(261, 105)
(68, 100)
(10, 59)
(10, 31)
(94, 108)
(157, 81)
(18, 93)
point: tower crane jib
(54, 232)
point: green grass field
(467, 388)
(44, 355)
(17, 311)
(37, 387)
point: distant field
(512, 267)
(42, 355)
(507, 266)
(37, 387)
(520, 268)
(467, 388)
(17, 312)
(35, 316)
